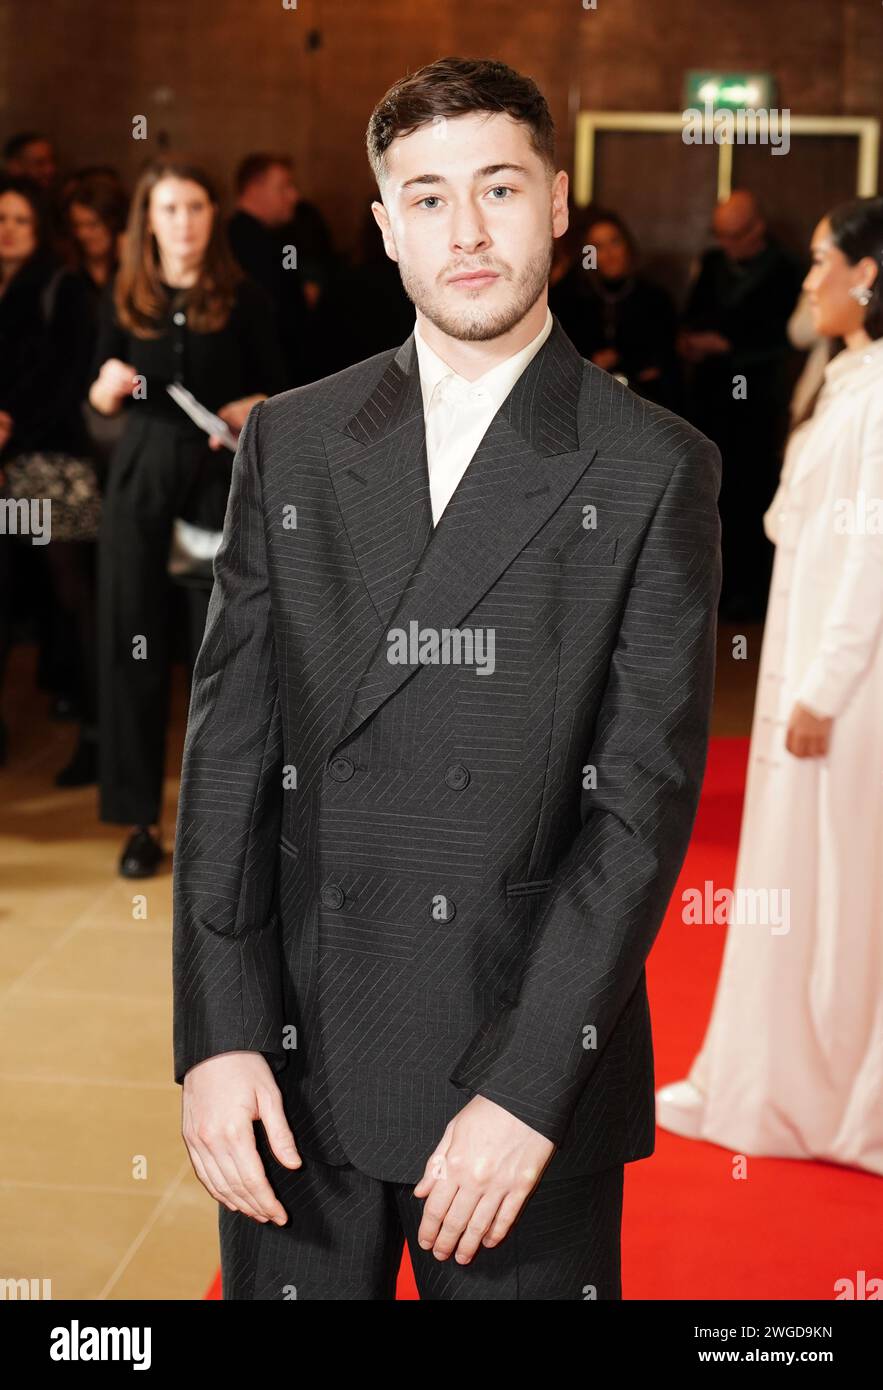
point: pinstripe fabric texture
(346, 1231)
(407, 882)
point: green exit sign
(729, 91)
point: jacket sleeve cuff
(246, 1013)
(496, 1066)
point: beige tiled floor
(96, 1190)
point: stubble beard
(472, 322)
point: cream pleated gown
(792, 1061)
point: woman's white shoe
(679, 1107)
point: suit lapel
(380, 476)
(530, 458)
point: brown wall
(222, 77)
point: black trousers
(346, 1233)
(157, 473)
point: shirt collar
(497, 382)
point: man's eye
(430, 198)
(500, 188)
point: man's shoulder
(330, 401)
(622, 422)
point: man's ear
(560, 213)
(381, 217)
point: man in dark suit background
(447, 734)
(273, 225)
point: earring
(862, 294)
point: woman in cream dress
(792, 1061)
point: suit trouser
(346, 1233)
(153, 478)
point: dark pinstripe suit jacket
(406, 883)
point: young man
(447, 734)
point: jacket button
(341, 769)
(442, 908)
(331, 896)
(457, 776)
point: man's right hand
(222, 1097)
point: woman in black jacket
(45, 356)
(616, 317)
(179, 311)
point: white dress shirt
(458, 412)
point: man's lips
(470, 276)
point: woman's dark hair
(138, 295)
(613, 219)
(457, 87)
(103, 194)
(857, 231)
(36, 199)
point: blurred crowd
(109, 295)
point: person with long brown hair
(179, 310)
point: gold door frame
(866, 129)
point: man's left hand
(477, 1180)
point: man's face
(740, 236)
(36, 161)
(279, 195)
(467, 195)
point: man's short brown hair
(457, 87)
(254, 166)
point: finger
(231, 1183)
(208, 1183)
(509, 1209)
(478, 1226)
(435, 1171)
(457, 1218)
(215, 1176)
(281, 1140)
(244, 1154)
(214, 1149)
(434, 1212)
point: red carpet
(690, 1230)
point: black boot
(141, 855)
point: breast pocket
(581, 570)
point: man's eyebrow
(487, 172)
